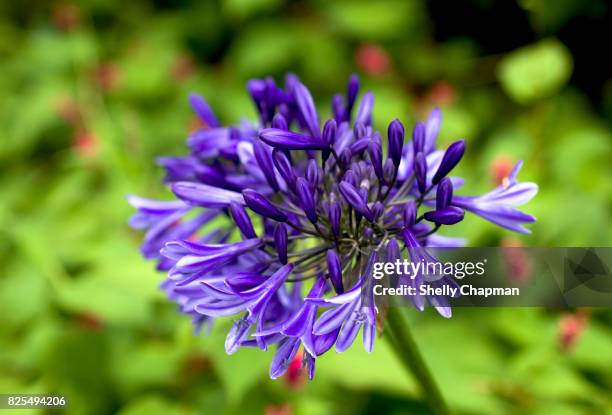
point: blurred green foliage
(92, 91)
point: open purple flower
(302, 205)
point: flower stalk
(408, 352)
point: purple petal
(306, 199)
(420, 172)
(205, 195)
(203, 110)
(285, 353)
(418, 138)
(353, 198)
(260, 204)
(395, 135)
(307, 108)
(444, 193)
(281, 242)
(329, 132)
(263, 155)
(369, 333)
(332, 319)
(288, 140)
(242, 220)
(432, 128)
(364, 115)
(446, 216)
(348, 333)
(283, 165)
(335, 212)
(335, 270)
(452, 156)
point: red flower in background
(183, 68)
(373, 59)
(518, 264)
(66, 17)
(500, 168)
(86, 144)
(108, 76)
(441, 94)
(571, 328)
(295, 375)
(90, 321)
(284, 409)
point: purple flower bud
(364, 115)
(377, 210)
(444, 193)
(351, 94)
(335, 213)
(395, 134)
(363, 192)
(338, 108)
(349, 176)
(306, 199)
(203, 111)
(447, 216)
(393, 251)
(329, 132)
(388, 170)
(307, 108)
(353, 198)
(335, 270)
(359, 131)
(280, 242)
(283, 165)
(242, 220)
(418, 138)
(279, 122)
(288, 140)
(409, 214)
(345, 158)
(314, 174)
(257, 89)
(210, 175)
(452, 156)
(375, 152)
(359, 146)
(263, 155)
(420, 171)
(260, 204)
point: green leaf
(535, 71)
(367, 20)
(153, 405)
(103, 298)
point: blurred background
(92, 91)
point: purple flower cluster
(299, 212)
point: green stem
(408, 352)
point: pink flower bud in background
(284, 409)
(571, 328)
(519, 268)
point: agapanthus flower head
(303, 206)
